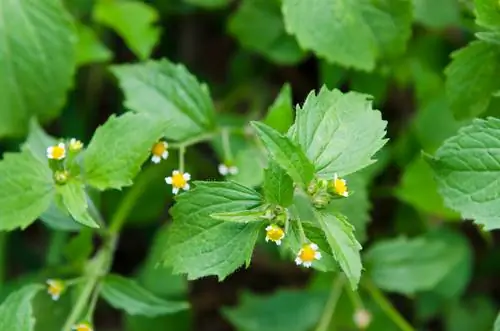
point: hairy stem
(333, 298)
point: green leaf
(74, 198)
(209, 4)
(474, 313)
(488, 13)
(89, 48)
(278, 187)
(125, 294)
(437, 14)
(80, 247)
(258, 25)
(345, 248)
(36, 47)
(285, 310)
(243, 216)
(16, 312)
(496, 327)
(114, 156)
(472, 78)
(251, 163)
(170, 92)
(58, 219)
(280, 114)
(134, 21)
(339, 132)
(467, 172)
(26, 190)
(286, 154)
(200, 246)
(492, 37)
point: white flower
(307, 254)
(274, 233)
(55, 287)
(57, 152)
(75, 145)
(225, 169)
(178, 181)
(159, 151)
(82, 327)
(362, 318)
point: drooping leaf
(280, 114)
(89, 48)
(170, 92)
(58, 218)
(133, 20)
(278, 186)
(125, 294)
(488, 13)
(16, 312)
(36, 46)
(114, 156)
(200, 246)
(258, 25)
(339, 132)
(74, 198)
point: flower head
(75, 145)
(227, 169)
(339, 186)
(56, 152)
(274, 233)
(159, 151)
(61, 176)
(179, 180)
(82, 326)
(362, 318)
(55, 287)
(307, 254)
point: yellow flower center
(275, 233)
(307, 254)
(178, 180)
(340, 186)
(55, 287)
(158, 149)
(83, 327)
(57, 152)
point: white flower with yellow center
(159, 151)
(82, 327)
(274, 233)
(226, 169)
(179, 180)
(307, 254)
(362, 318)
(75, 145)
(56, 152)
(55, 287)
(339, 186)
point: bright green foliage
(250, 162)
(467, 172)
(200, 246)
(492, 37)
(169, 92)
(278, 186)
(114, 156)
(57, 218)
(437, 14)
(89, 48)
(284, 310)
(339, 132)
(74, 198)
(472, 78)
(488, 13)
(244, 216)
(412, 265)
(38, 141)
(258, 25)
(126, 294)
(16, 312)
(36, 46)
(496, 327)
(286, 154)
(26, 189)
(280, 114)
(345, 248)
(210, 4)
(133, 21)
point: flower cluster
(55, 287)
(227, 169)
(61, 156)
(307, 254)
(82, 326)
(322, 191)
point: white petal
(223, 169)
(168, 180)
(335, 177)
(344, 181)
(61, 145)
(314, 246)
(175, 172)
(346, 194)
(175, 190)
(50, 150)
(278, 242)
(298, 261)
(307, 264)
(186, 187)
(164, 155)
(55, 297)
(269, 227)
(186, 176)
(72, 141)
(233, 170)
(317, 256)
(267, 239)
(155, 159)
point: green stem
(333, 298)
(301, 232)
(387, 307)
(355, 298)
(195, 140)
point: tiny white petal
(346, 194)
(175, 172)
(168, 180)
(186, 187)
(344, 181)
(233, 170)
(335, 177)
(164, 155)
(317, 256)
(61, 145)
(267, 239)
(186, 176)
(175, 190)
(307, 264)
(55, 297)
(155, 159)
(223, 170)
(278, 242)
(50, 151)
(269, 227)
(314, 246)
(72, 141)
(298, 261)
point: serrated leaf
(471, 78)
(258, 25)
(339, 132)
(16, 312)
(74, 198)
(492, 37)
(241, 216)
(437, 14)
(345, 248)
(36, 46)
(286, 154)
(467, 171)
(134, 21)
(170, 92)
(89, 48)
(488, 13)
(114, 156)
(280, 115)
(26, 190)
(278, 187)
(201, 246)
(125, 294)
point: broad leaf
(58, 218)
(16, 312)
(243, 216)
(125, 294)
(170, 92)
(345, 248)
(437, 14)
(200, 246)
(114, 156)
(472, 78)
(278, 187)
(467, 171)
(339, 132)
(258, 25)
(89, 48)
(488, 13)
(280, 114)
(26, 189)
(492, 37)
(36, 47)
(133, 20)
(286, 154)
(38, 141)
(74, 198)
